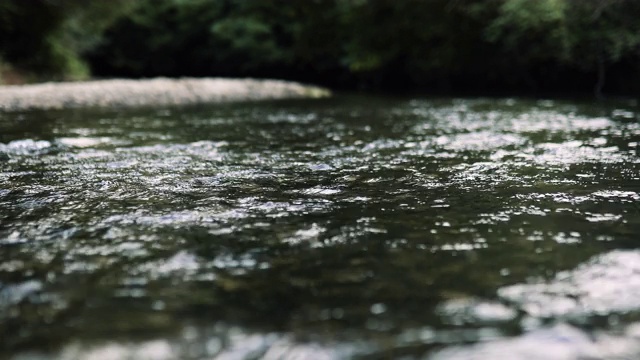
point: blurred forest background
(438, 46)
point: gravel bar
(149, 92)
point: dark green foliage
(27, 34)
(228, 38)
(48, 37)
(587, 35)
(435, 45)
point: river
(351, 227)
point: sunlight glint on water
(353, 226)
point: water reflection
(338, 228)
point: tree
(587, 34)
(602, 33)
(48, 37)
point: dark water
(354, 227)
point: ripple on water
(380, 224)
(26, 147)
(219, 342)
(478, 141)
(607, 284)
(560, 342)
(86, 142)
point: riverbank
(149, 92)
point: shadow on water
(337, 228)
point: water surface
(353, 227)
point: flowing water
(352, 227)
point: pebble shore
(149, 92)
